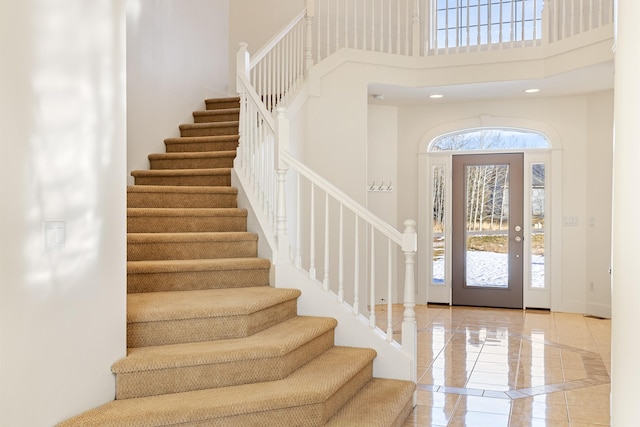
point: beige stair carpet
(210, 342)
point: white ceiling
(589, 79)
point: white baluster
(364, 24)
(312, 235)
(346, 23)
(355, 24)
(325, 280)
(308, 40)
(341, 256)
(409, 329)
(298, 259)
(389, 292)
(337, 25)
(372, 274)
(356, 271)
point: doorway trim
(551, 296)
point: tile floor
(490, 368)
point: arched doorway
(486, 218)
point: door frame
(512, 295)
(548, 298)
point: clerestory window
(462, 23)
(490, 140)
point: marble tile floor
(480, 367)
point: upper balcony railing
(436, 27)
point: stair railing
(263, 161)
(321, 208)
(277, 69)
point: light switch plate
(53, 233)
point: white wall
(599, 200)
(255, 22)
(577, 129)
(337, 120)
(63, 118)
(177, 54)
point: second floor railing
(415, 28)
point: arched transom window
(490, 140)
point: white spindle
(535, 19)
(337, 25)
(468, 30)
(341, 255)
(372, 274)
(325, 281)
(355, 24)
(364, 24)
(523, 24)
(389, 292)
(415, 28)
(478, 30)
(312, 235)
(318, 34)
(389, 29)
(298, 258)
(398, 48)
(356, 271)
(346, 24)
(381, 23)
(328, 29)
(373, 26)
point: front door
(487, 209)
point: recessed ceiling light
(436, 96)
(378, 96)
(532, 90)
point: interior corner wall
(570, 117)
(599, 202)
(177, 53)
(63, 120)
(255, 22)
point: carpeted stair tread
(177, 220)
(373, 407)
(190, 237)
(221, 114)
(192, 212)
(159, 306)
(268, 355)
(273, 342)
(181, 196)
(180, 172)
(309, 397)
(194, 274)
(200, 245)
(222, 103)
(165, 318)
(191, 160)
(201, 143)
(218, 264)
(209, 129)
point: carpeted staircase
(210, 343)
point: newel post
(308, 38)
(409, 328)
(243, 62)
(282, 144)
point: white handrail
(269, 46)
(343, 198)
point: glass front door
(487, 235)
